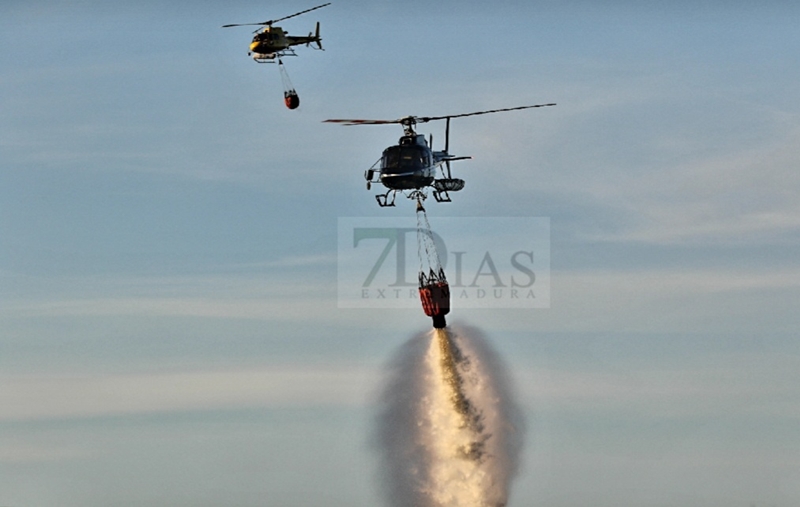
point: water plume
(449, 432)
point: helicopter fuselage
(411, 166)
(271, 42)
(408, 165)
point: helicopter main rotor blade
(423, 119)
(361, 122)
(301, 12)
(244, 24)
(268, 23)
(411, 120)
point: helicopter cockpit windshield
(404, 159)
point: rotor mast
(408, 124)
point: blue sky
(169, 330)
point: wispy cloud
(294, 262)
(733, 197)
(265, 296)
(38, 452)
(259, 309)
(662, 300)
(764, 386)
(33, 397)
(663, 162)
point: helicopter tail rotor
(317, 38)
(314, 37)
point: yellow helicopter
(271, 42)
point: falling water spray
(449, 432)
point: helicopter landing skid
(441, 196)
(272, 57)
(384, 199)
(265, 58)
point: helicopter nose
(253, 46)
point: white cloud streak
(581, 300)
(36, 397)
(229, 308)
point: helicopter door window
(391, 158)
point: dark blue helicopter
(411, 165)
